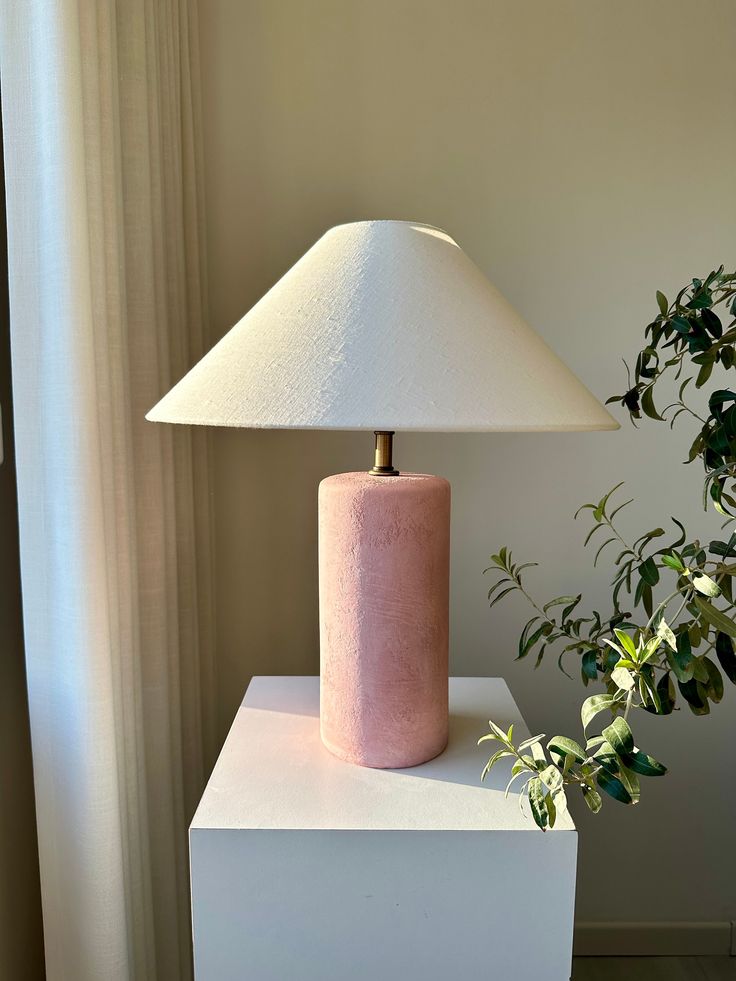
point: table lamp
(383, 325)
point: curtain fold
(107, 297)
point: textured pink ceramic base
(384, 556)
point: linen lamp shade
(383, 325)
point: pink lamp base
(384, 555)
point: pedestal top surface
(274, 773)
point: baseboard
(658, 939)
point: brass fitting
(383, 466)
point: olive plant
(668, 636)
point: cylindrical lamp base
(384, 556)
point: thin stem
(663, 605)
(629, 702)
(613, 529)
(532, 603)
(684, 406)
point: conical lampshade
(383, 325)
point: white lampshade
(383, 325)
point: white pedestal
(306, 868)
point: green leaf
(683, 534)
(608, 541)
(568, 609)
(648, 537)
(705, 585)
(537, 803)
(631, 782)
(666, 692)
(607, 757)
(529, 742)
(614, 647)
(623, 678)
(649, 650)
(559, 798)
(649, 572)
(551, 778)
(538, 752)
(515, 774)
(719, 397)
(525, 633)
(501, 595)
(566, 747)
(620, 737)
(626, 642)
(593, 705)
(643, 594)
(498, 731)
(722, 548)
(530, 641)
(712, 323)
(644, 765)
(705, 372)
(600, 509)
(503, 581)
(647, 405)
(592, 798)
(695, 695)
(499, 755)
(592, 532)
(700, 301)
(620, 507)
(590, 665)
(647, 679)
(714, 685)
(613, 787)
(726, 656)
(560, 601)
(662, 303)
(715, 617)
(681, 659)
(665, 632)
(700, 670)
(673, 562)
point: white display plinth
(310, 869)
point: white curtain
(99, 102)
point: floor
(654, 968)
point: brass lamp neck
(383, 465)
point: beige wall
(582, 152)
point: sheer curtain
(99, 102)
